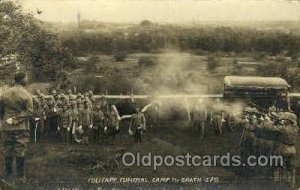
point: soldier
(70, 93)
(91, 97)
(217, 118)
(103, 104)
(74, 114)
(112, 123)
(55, 95)
(16, 107)
(200, 117)
(86, 121)
(79, 105)
(64, 100)
(65, 122)
(52, 120)
(99, 121)
(87, 99)
(137, 125)
(39, 117)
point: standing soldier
(217, 118)
(65, 124)
(91, 97)
(79, 105)
(99, 119)
(39, 117)
(103, 104)
(87, 99)
(74, 114)
(200, 117)
(70, 93)
(137, 125)
(16, 107)
(86, 121)
(112, 123)
(52, 120)
(55, 95)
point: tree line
(154, 38)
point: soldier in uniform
(38, 120)
(16, 107)
(70, 93)
(55, 95)
(103, 104)
(52, 120)
(87, 99)
(112, 123)
(74, 115)
(86, 121)
(200, 117)
(99, 120)
(137, 125)
(217, 116)
(79, 105)
(91, 97)
(64, 127)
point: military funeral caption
(136, 180)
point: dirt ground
(59, 166)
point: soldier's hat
(41, 95)
(91, 93)
(289, 116)
(54, 92)
(72, 97)
(86, 94)
(70, 91)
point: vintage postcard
(149, 94)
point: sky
(168, 11)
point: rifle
(265, 112)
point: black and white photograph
(149, 94)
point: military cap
(289, 116)
(54, 92)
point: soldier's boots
(8, 167)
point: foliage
(37, 50)
(197, 39)
(212, 62)
(147, 61)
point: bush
(90, 65)
(120, 56)
(147, 61)
(212, 62)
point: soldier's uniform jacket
(112, 119)
(98, 116)
(103, 105)
(65, 119)
(85, 117)
(138, 120)
(17, 103)
(74, 116)
(39, 112)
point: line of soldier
(204, 115)
(80, 118)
